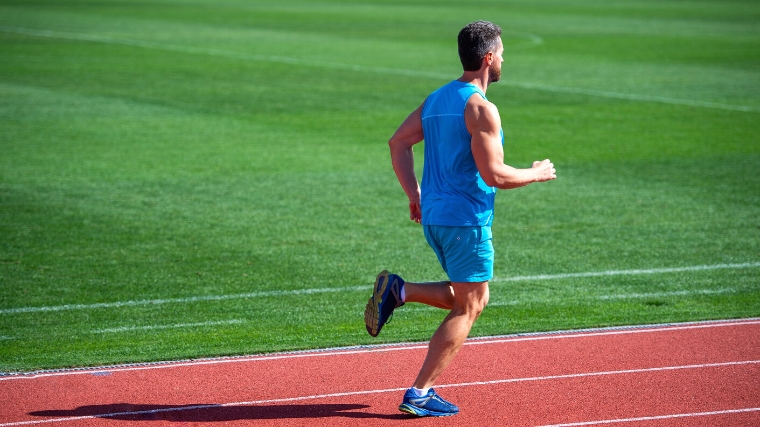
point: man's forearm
(403, 164)
(508, 177)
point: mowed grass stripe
(175, 326)
(362, 68)
(539, 277)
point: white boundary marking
(701, 325)
(667, 294)
(495, 302)
(378, 70)
(534, 39)
(655, 417)
(392, 390)
(382, 348)
(633, 97)
(135, 303)
(262, 294)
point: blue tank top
(453, 192)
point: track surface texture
(692, 374)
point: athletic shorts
(465, 253)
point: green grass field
(191, 178)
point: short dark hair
(475, 41)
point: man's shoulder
(479, 102)
(479, 107)
(481, 115)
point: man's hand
(415, 213)
(544, 170)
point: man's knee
(479, 306)
(471, 298)
(485, 297)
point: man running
(464, 165)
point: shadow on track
(215, 413)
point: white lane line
(361, 68)
(178, 325)
(392, 390)
(385, 348)
(655, 417)
(262, 294)
(476, 341)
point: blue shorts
(465, 253)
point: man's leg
(436, 294)
(467, 302)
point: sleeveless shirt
(453, 192)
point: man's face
(494, 71)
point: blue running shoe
(430, 405)
(385, 298)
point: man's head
(475, 41)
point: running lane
(696, 374)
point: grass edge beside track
(470, 340)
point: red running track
(693, 374)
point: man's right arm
(484, 124)
(409, 133)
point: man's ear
(489, 58)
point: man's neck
(478, 78)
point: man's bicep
(488, 153)
(482, 116)
(485, 128)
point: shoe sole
(420, 412)
(372, 310)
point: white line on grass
(262, 294)
(633, 97)
(156, 327)
(136, 303)
(390, 390)
(178, 325)
(361, 68)
(348, 351)
(533, 40)
(666, 294)
(655, 417)
(612, 297)
(627, 272)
